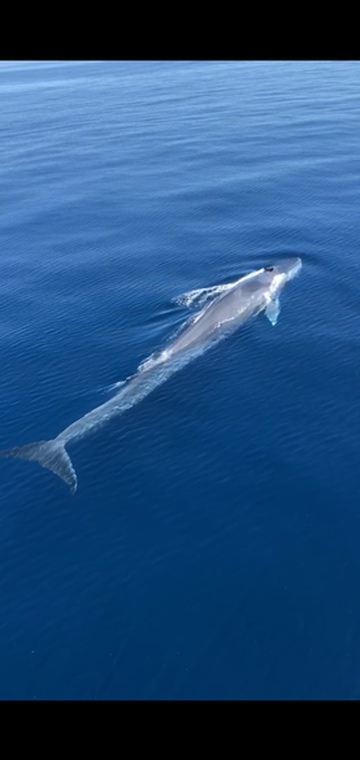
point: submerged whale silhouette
(256, 292)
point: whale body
(254, 293)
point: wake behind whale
(255, 293)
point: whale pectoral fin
(272, 311)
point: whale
(254, 293)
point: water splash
(200, 296)
(112, 387)
(154, 360)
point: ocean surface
(212, 550)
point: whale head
(287, 268)
(276, 276)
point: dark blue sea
(212, 550)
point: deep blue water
(212, 548)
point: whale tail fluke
(50, 454)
